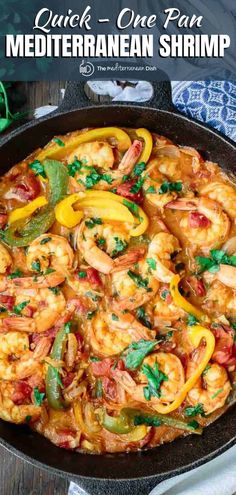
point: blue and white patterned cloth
(213, 102)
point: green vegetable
(114, 317)
(45, 240)
(98, 388)
(136, 352)
(22, 233)
(164, 294)
(59, 142)
(151, 190)
(28, 418)
(38, 396)
(92, 222)
(101, 241)
(82, 274)
(94, 359)
(19, 307)
(192, 320)
(152, 263)
(37, 167)
(169, 187)
(142, 317)
(155, 378)
(90, 314)
(131, 417)
(74, 167)
(194, 411)
(212, 264)
(217, 393)
(53, 386)
(36, 267)
(138, 185)
(94, 177)
(55, 290)
(139, 281)
(119, 247)
(17, 273)
(139, 168)
(132, 207)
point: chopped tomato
(197, 286)
(22, 392)
(27, 187)
(7, 301)
(125, 190)
(102, 368)
(198, 220)
(224, 348)
(92, 276)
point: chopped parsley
(132, 207)
(19, 307)
(45, 240)
(92, 222)
(139, 168)
(101, 242)
(119, 246)
(138, 185)
(55, 290)
(169, 187)
(28, 418)
(193, 424)
(38, 396)
(49, 270)
(114, 317)
(142, 317)
(206, 369)
(38, 169)
(155, 379)
(59, 142)
(94, 177)
(147, 420)
(125, 178)
(194, 411)
(67, 327)
(192, 320)
(82, 274)
(17, 273)
(136, 352)
(36, 266)
(3, 309)
(152, 263)
(212, 264)
(151, 190)
(164, 293)
(74, 167)
(94, 359)
(139, 281)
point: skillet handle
(113, 487)
(75, 97)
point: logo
(86, 68)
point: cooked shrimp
(227, 275)
(220, 300)
(152, 184)
(97, 153)
(207, 225)
(112, 333)
(171, 366)
(49, 250)
(42, 310)
(12, 412)
(224, 194)
(162, 247)
(5, 259)
(22, 363)
(212, 389)
(125, 166)
(113, 238)
(163, 308)
(37, 282)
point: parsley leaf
(139, 281)
(212, 263)
(45, 240)
(36, 266)
(37, 167)
(151, 263)
(151, 190)
(192, 320)
(139, 168)
(142, 317)
(194, 411)
(92, 222)
(38, 396)
(170, 186)
(137, 186)
(147, 420)
(119, 246)
(55, 290)
(19, 307)
(74, 167)
(155, 378)
(136, 352)
(98, 388)
(164, 293)
(114, 317)
(17, 273)
(59, 142)
(82, 274)
(193, 424)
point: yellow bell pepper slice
(181, 302)
(26, 211)
(70, 143)
(106, 196)
(148, 144)
(65, 214)
(195, 333)
(107, 210)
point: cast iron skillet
(143, 470)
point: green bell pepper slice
(22, 234)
